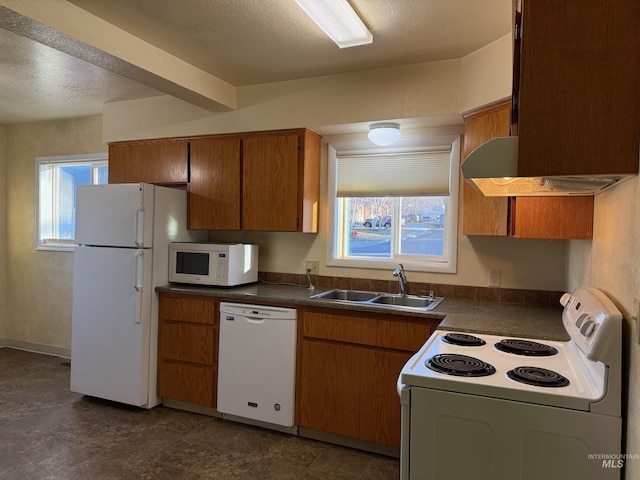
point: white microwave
(216, 264)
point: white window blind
(398, 174)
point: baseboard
(349, 442)
(191, 407)
(36, 348)
(258, 423)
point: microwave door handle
(138, 272)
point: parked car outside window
(384, 222)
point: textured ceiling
(241, 42)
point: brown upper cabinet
(576, 87)
(259, 181)
(163, 162)
(576, 111)
(522, 217)
(263, 181)
(214, 190)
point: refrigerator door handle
(137, 282)
(138, 238)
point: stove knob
(587, 328)
(581, 319)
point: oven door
(453, 436)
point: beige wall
(39, 283)
(437, 90)
(479, 83)
(611, 262)
(526, 264)
(427, 89)
(3, 232)
(428, 93)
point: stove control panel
(593, 322)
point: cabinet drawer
(187, 308)
(187, 383)
(186, 342)
(373, 330)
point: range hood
(493, 169)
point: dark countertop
(544, 323)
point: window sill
(56, 248)
(390, 264)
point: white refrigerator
(123, 232)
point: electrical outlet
(313, 267)
(494, 277)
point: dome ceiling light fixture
(384, 134)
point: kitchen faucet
(402, 279)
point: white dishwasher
(257, 363)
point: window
(56, 181)
(394, 206)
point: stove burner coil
(463, 340)
(525, 347)
(540, 377)
(459, 365)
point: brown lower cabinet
(348, 366)
(188, 348)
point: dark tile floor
(47, 432)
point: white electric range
(479, 406)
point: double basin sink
(410, 302)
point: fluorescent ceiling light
(338, 20)
(384, 134)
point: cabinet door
(159, 162)
(579, 95)
(187, 383)
(520, 217)
(553, 217)
(329, 388)
(380, 407)
(214, 189)
(188, 348)
(484, 215)
(271, 177)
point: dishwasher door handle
(250, 319)
(256, 320)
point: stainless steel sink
(411, 302)
(408, 301)
(348, 295)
